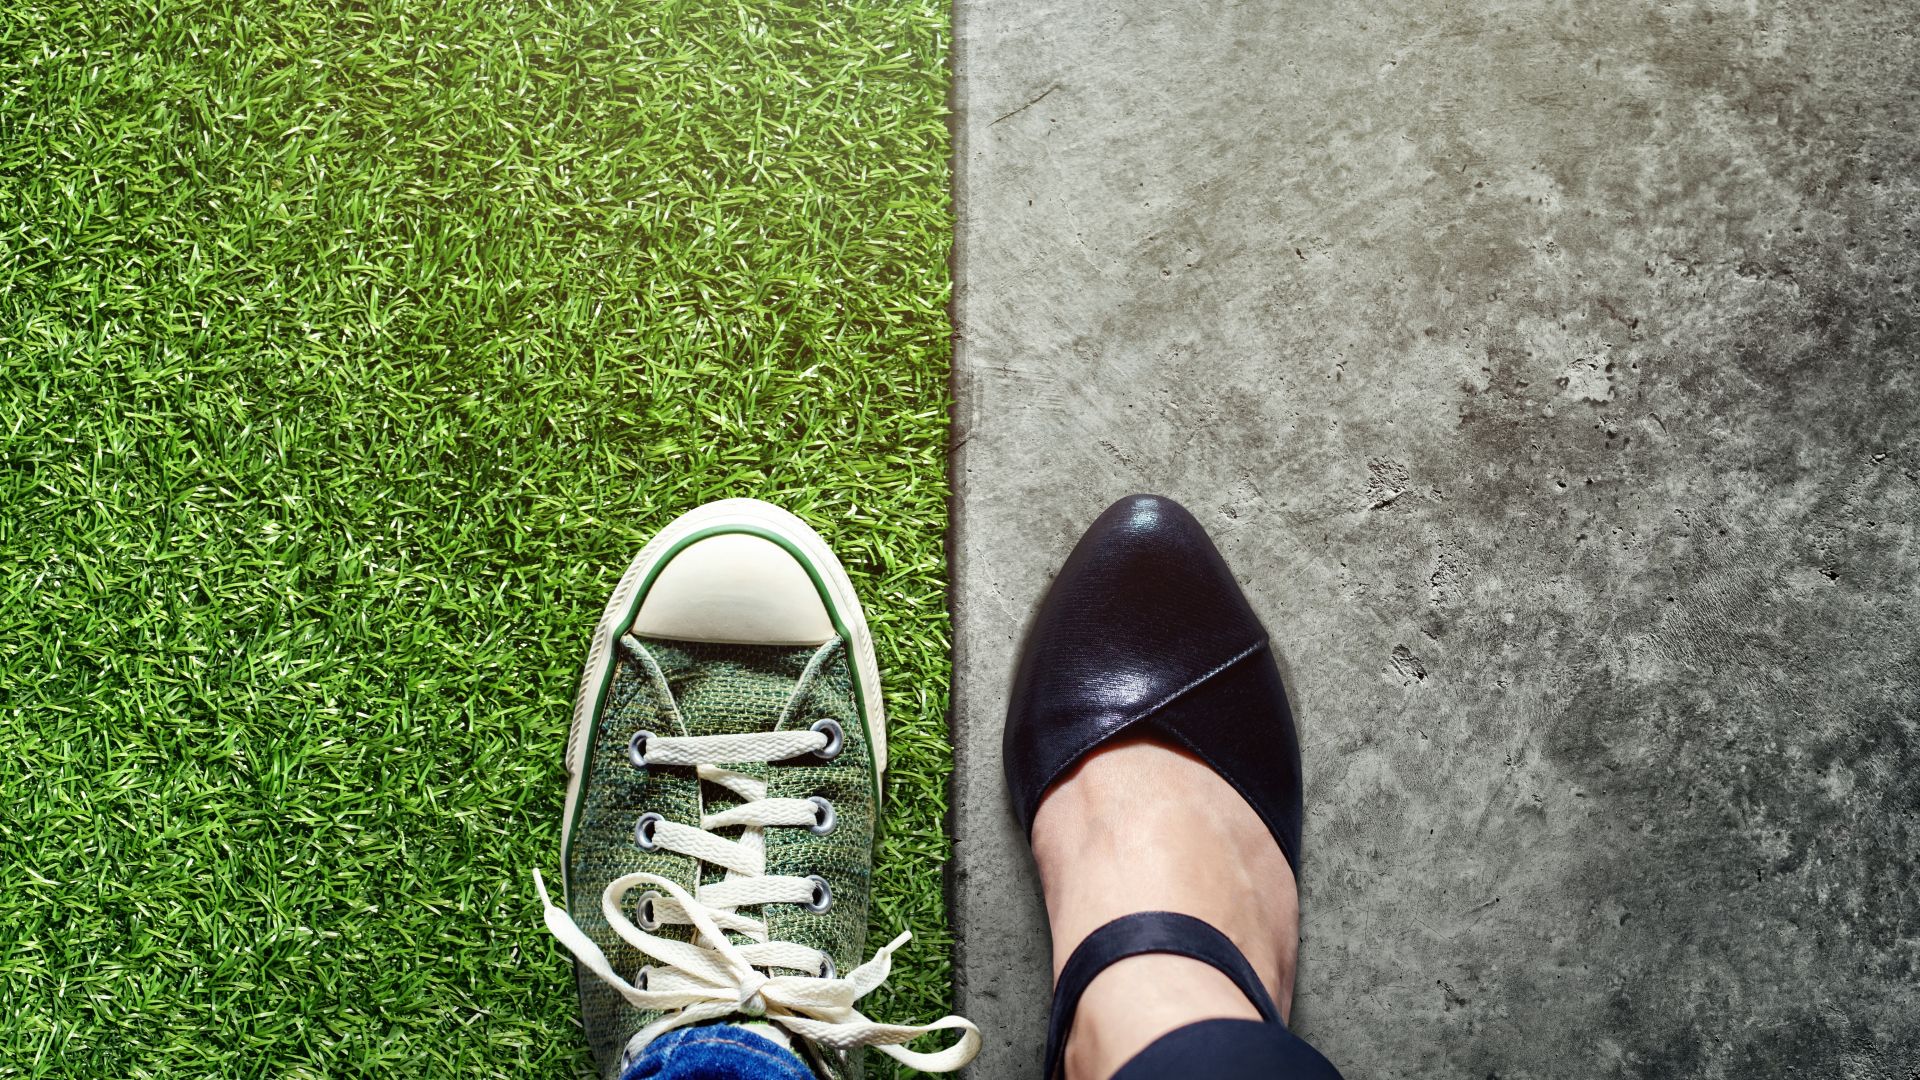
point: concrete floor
(1548, 371)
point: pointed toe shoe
(1146, 632)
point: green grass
(347, 353)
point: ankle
(1137, 1001)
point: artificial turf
(347, 353)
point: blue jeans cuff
(716, 1052)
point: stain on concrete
(1551, 375)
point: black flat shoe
(1145, 631)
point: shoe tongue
(770, 1032)
(726, 689)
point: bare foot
(1140, 825)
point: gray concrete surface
(1548, 370)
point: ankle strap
(1134, 935)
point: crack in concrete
(1043, 96)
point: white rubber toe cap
(734, 588)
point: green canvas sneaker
(724, 768)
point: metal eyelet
(637, 749)
(822, 895)
(643, 831)
(823, 816)
(827, 970)
(640, 979)
(836, 739)
(644, 909)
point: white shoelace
(713, 978)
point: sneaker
(724, 768)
